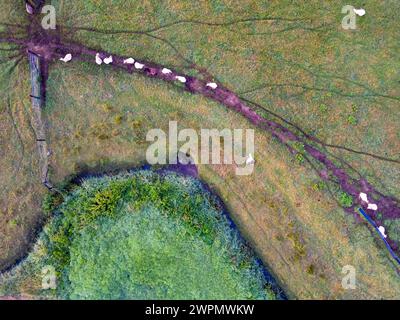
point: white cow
(68, 57)
(139, 65)
(108, 60)
(360, 12)
(129, 61)
(372, 206)
(212, 85)
(363, 197)
(99, 61)
(166, 71)
(382, 231)
(181, 79)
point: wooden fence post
(38, 103)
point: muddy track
(388, 206)
(49, 48)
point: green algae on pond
(149, 235)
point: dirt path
(328, 170)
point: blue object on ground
(380, 234)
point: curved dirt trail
(44, 48)
(328, 170)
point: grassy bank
(142, 236)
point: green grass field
(142, 236)
(342, 86)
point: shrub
(352, 120)
(345, 200)
(299, 158)
(323, 108)
(118, 119)
(50, 202)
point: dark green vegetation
(146, 236)
(299, 63)
(345, 200)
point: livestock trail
(49, 48)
